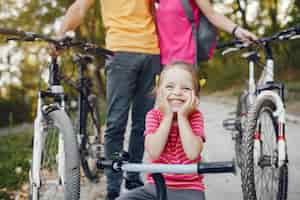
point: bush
(16, 151)
(14, 111)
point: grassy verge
(15, 151)
(293, 91)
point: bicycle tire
(253, 175)
(241, 112)
(54, 186)
(92, 139)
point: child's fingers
(197, 101)
(189, 100)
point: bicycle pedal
(231, 124)
(96, 150)
(93, 139)
(235, 135)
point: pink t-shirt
(173, 152)
(175, 32)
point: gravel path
(219, 147)
(16, 129)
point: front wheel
(262, 177)
(241, 116)
(55, 172)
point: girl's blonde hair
(184, 66)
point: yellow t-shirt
(129, 26)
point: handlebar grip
(6, 31)
(222, 45)
(216, 167)
(105, 52)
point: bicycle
(56, 159)
(120, 163)
(87, 120)
(261, 146)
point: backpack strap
(188, 10)
(189, 13)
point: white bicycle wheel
(56, 161)
(262, 177)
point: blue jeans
(130, 78)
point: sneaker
(112, 196)
(132, 184)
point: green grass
(4, 195)
(15, 151)
(293, 87)
(293, 91)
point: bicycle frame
(48, 115)
(265, 87)
(83, 99)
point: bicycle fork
(279, 115)
(41, 124)
(38, 143)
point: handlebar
(64, 43)
(121, 164)
(235, 45)
(197, 168)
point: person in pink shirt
(175, 31)
(174, 134)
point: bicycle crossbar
(200, 168)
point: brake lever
(64, 42)
(89, 46)
(287, 36)
(12, 39)
(295, 37)
(228, 50)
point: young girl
(174, 134)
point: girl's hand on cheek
(189, 106)
(164, 105)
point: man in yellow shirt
(131, 34)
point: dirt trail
(219, 147)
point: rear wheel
(262, 178)
(59, 169)
(91, 144)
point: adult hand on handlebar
(244, 35)
(62, 39)
(53, 51)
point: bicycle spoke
(50, 178)
(266, 175)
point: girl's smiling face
(176, 86)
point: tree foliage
(42, 15)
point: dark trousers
(130, 78)
(148, 192)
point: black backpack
(206, 34)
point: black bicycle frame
(82, 62)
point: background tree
(43, 16)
